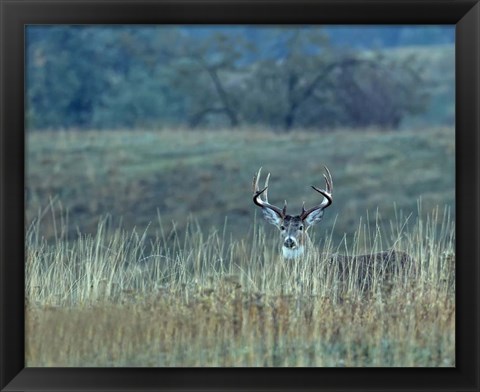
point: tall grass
(119, 298)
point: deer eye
(282, 227)
(300, 228)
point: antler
(327, 194)
(264, 203)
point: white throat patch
(289, 253)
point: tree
(130, 77)
(207, 72)
(309, 84)
(381, 91)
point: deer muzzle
(290, 243)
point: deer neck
(292, 254)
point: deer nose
(289, 243)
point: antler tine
(329, 185)
(266, 187)
(326, 193)
(257, 193)
(328, 181)
(256, 188)
(255, 181)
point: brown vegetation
(111, 300)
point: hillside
(137, 176)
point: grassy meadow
(145, 249)
(133, 176)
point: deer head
(293, 228)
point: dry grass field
(145, 249)
(114, 299)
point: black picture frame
(464, 14)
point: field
(144, 249)
(133, 176)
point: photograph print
(240, 196)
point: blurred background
(141, 122)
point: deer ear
(271, 216)
(314, 217)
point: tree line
(152, 77)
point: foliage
(380, 92)
(80, 77)
(154, 77)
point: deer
(296, 242)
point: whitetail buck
(296, 242)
